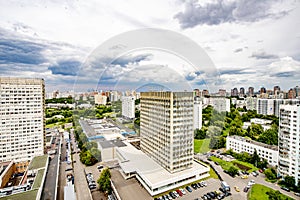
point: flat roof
(267, 146)
(111, 143)
(150, 171)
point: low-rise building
(240, 144)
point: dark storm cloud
(66, 68)
(223, 11)
(20, 51)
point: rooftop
(111, 143)
(150, 171)
(38, 162)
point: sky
(246, 43)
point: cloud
(131, 59)
(21, 51)
(259, 55)
(238, 50)
(66, 68)
(235, 71)
(222, 11)
(283, 74)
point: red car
(261, 171)
(179, 192)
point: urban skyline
(46, 48)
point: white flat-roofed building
(22, 110)
(240, 144)
(128, 107)
(154, 178)
(289, 141)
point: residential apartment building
(22, 127)
(289, 141)
(271, 106)
(197, 113)
(240, 144)
(128, 107)
(100, 99)
(221, 104)
(167, 128)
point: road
(62, 173)
(48, 192)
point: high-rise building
(250, 91)
(166, 128)
(276, 90)
(234, 92)
(291, 94)
(128, 107)
(197, 92)
(242, 91)
(297, 91)
(289, 141)
(22, 127)
(265, 106)
(205, 93)
(197, 113)
(263, 90)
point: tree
(233, 170)
(274, 195)
(255, 158)
(270, 174)
(104, 181)
(289, 181)
(200, 134)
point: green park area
(38, 179)
(38, 162)
(29, 195)
(201, 146)
(261, 192)
(235, 163)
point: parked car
(297, 194)
(179, 192)
(246, 189)
(285, 188)
(237, 188)
(252, 182)
(244, 176)
(188, 189)
(182, 190)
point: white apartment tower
(128, 107)
(197, 113)
(289, 141)
(167, 128)
(22, 126)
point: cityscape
(154, 100)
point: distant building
(276, 90)
(22, 124)
(222, 92)
(205, 93)
(291, 94)
(234, 92)
(251, 91)
(220, 104)
(100, 99)
(197, 113)
(288, 141)
(251, 103)
(263, 90)
(240, 144)
(265, 106)
(197, 92)
(128, 107)
(242, 91)
(266, 124)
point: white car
(183, 191)
(252, 182)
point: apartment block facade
(240, 144)
(166, 128)
(197, 113)
(22, 126)
(128, 107)
(289, 141)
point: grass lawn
(226, 165)
(213, 174)
(258, 192)
(38, 162)
(29, 195)
(38, 179)
(201, 146)
(253, 168)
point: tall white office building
(197, 113)
(128, 107)
(22, 126)
(289, 141)
(167, 128)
